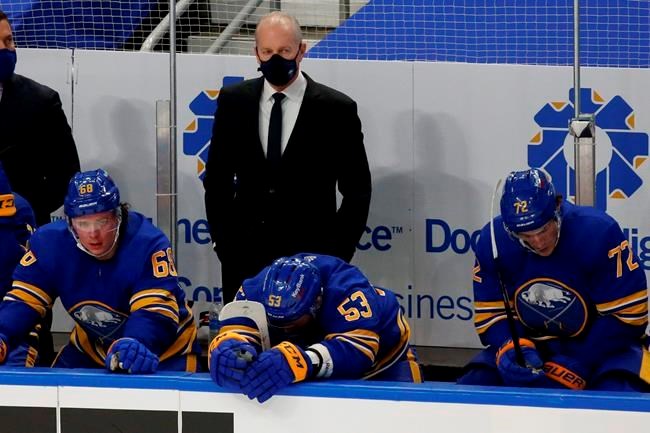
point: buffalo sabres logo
(550, 307)
(546, 296)
(98, 318)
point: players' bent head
(93, 212)
(291, 294)
(530, 210)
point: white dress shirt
(290, 108)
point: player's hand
(3, 348)
(130, 355)
(514, 374)
(275, 369)
(563, 372)
(228, 358)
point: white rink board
(360, 406)
(381, 416)
(438, 136)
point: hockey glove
(3, 348)
(130, 355)
(514, 374)
(275, 369)
(228, 357)
(565, 372)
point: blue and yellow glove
(514, 374)
(130, 355)
(274, 369)
(229, 355)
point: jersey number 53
(355, 306)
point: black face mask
(278, 70)
(7, 63)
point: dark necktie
(274, 145)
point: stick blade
(252, 310)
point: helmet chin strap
(108, 251)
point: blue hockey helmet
(528, 201)
(91, 192)
(291, 290)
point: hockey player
(17, 223)
(325, 321)
(115, 275)
(576, 289)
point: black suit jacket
(251, 223)
(36, 144)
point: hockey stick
(6, 149)
(252, 310)
(519, 356)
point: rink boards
(93, 401)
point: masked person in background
(578, 296)
(36, 144)
(36, 147)
(281, 146)
(115, 275)
(325, 321)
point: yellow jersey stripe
(484, 327)
(163, 312)
(644, 372)
(606, 307)
(35, 291)
(361, 348)
(490, 305)
(633, 321)
(27, 300)
(391, 357)
(81, 341)
(372, 345)
(149, 301)
(152, 292)
(182, 345)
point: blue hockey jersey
(134, 294)
(361, 326)
(587, 300)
